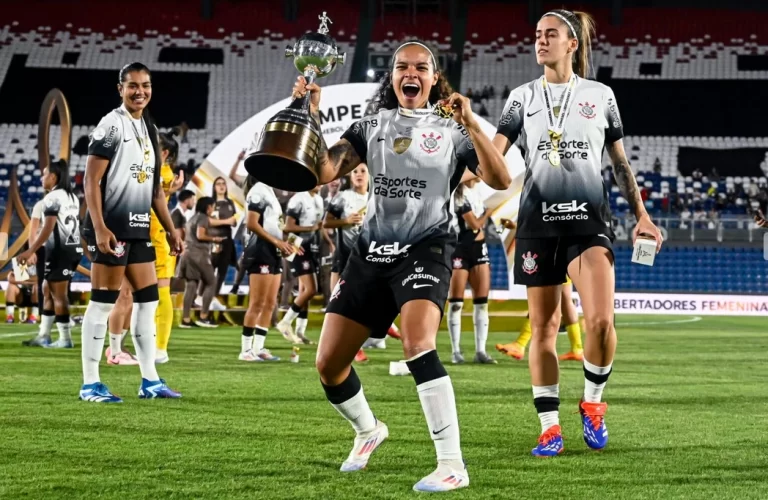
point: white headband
(564, 19)
(434, 62)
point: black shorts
(373, 295)
(302, 265)
(61, 263)
(470, 255)
(544, 261)
(127, 252)
(25, 298)
(263, 258)
(340, 258)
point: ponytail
(154, 139)
(581, 26)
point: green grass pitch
(687, 416)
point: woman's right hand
(301, 88)
(106, 241)
(285, 248)
(354, 219)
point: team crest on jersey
(458, 263)
(264, 269)
(336, 291)
(587, 110)
(305, 265)
(119, 249)
(430, 143)
(529, 263)
(402, 144)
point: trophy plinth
(286, 152)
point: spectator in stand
(483, 111)
(714, 176)
(657, 165)
(470, 94)
(491, 92)
(505, 93)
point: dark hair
(250, 181)
(60, 169)
(168, 143)
(147, 117)
(213, 187)
(185, 194)
(584, 25)
(385, 97)
(203, 203)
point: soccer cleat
(32, 319)
(457, 358)
(60, 344)
(266, 355)
(37, 341)
(360, 357)
(484, 359)
(372, 343)
(304, 340)
(394, 332)
(9, 319)
(249, 356)
(287, 331)
(550, 443)
(161, 357)
(365, 444)
(593, 421)
(122, 358)
(156, 390)
(444, 478)
(513, 350)
(572, 356)
(206, 323)
(98, 393)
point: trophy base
(281, 171)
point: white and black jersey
(467, 200)
(66, 208)
(569, 199)
(128, 184)
(307, 210)
(262, 200)
(343, 205)
(415, 159)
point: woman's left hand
(647, 228)
(178, 182)
(174, 241)
(462, 108)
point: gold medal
(554, 158)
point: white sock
(9, 309)
(259, 337)
(115, 343)
(439, 405)
(454, 324)
(290, 315)
(35, 312)
(65, 332)
(94, 329)
(593, 393)
(246, 343)
(301, 326)
(357, 412)
(46, 324)
(547, 418)
(143, 331)
(480, 319)
(395, 328)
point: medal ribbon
(557, 124)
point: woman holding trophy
(417, 144)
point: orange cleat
(513, 350)
(394, 332)
(572, 356)
(360, 357)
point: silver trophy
(286, 150)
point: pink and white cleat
(123, 358)
(365, 444)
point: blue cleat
(60, 344)
(593, 420)
(156, 389)
(550, 443)
(98, 393)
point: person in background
(21, 294)
(179, 214)
(222, 220)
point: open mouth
(411, 90)
(542, 51)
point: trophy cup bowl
(286, 151)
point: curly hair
(385, 97)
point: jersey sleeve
(358, 135)
(295, 208)
(256, 201)
(37, 210)
(615, 129)
(105, 138)
(463, 206)
(336, 206)
(511, 121)
(465, 149)
(52, 204)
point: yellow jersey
(156, 232)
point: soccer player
(562, 121)
(263, 260)
(304, 218)
(570, 317)
(124, 160)
(416, 155)
(470, 262)
(61, 237)
(21, 294)
(196, 267)
(117, 326)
